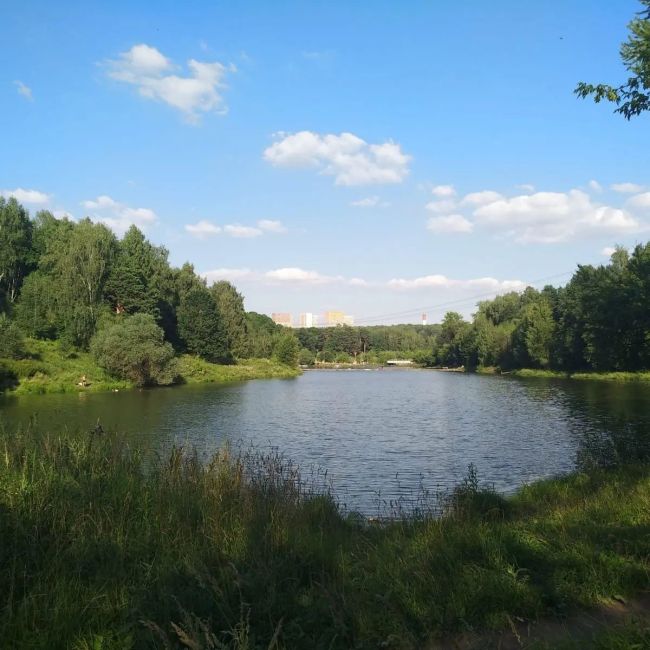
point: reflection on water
(378, 432)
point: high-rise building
(348, 320)
(334, 318)
(308, 320)
(281, 318)
(424, 319)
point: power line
(414, 310)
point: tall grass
(104, 548)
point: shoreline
(51, 371)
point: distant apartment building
(332, 318)
(281, 318)
(308, 320)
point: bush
(343, 357)
(135, 350)
(306, 357)
(326, 355)
(12, 342)
(286, 350)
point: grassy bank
(99, 552)
(53, 369)
(555, 374)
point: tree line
(599, 321)
(77, 283)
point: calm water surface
(379, 434)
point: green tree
(134, 349)
(79, 264)
(287, 349)
(538, 328)
(12, 342)
(199, 326)
(306, 357)
(15, 249)
(632, 97)
(36, 310)
(230, 304)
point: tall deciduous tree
(15, 248)
(200, 326)
(230, 304)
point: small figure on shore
(83, 382)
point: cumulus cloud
(443, 191)
(297, 275)
(203, 229)
(626, 188)
(154, 76)
(351, 160)
(526, 187)
(443, 282)
(270, 225)
(118, 216)
(595, 186)
(24, 90)
(608, 251)
(549, 217)
(640, 201)
(449, 223)
(243, 232)
(440, 207)
(26, 196)
(481, 198)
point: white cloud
(99, 203)
(549, 217)
(626, 188)
(608, 251)
(203, 229)
(440, 207)
(153, 74)
(232, 275)
(370, 202)
(449, 223)
(595, 186)
(443, 282)
(24, 90)
(269, 225)
(244, 232)
(358, 282)
(481, 198)
(640, 201)
(351, 160)
(295, 275)
(117, 216)
(443, 191)
(26, 196)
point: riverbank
(556, 374)
(52, 369)
(241, 552)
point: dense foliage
(632, 97)
(60, 280)
(104, 547)
(599, 321)
(134, 348)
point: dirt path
(581, 626)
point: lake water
(380, 434)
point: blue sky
(374, 157)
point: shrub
(326, 355)
(286, 350)
(306, 357)
(135, 350)
(12, 342)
